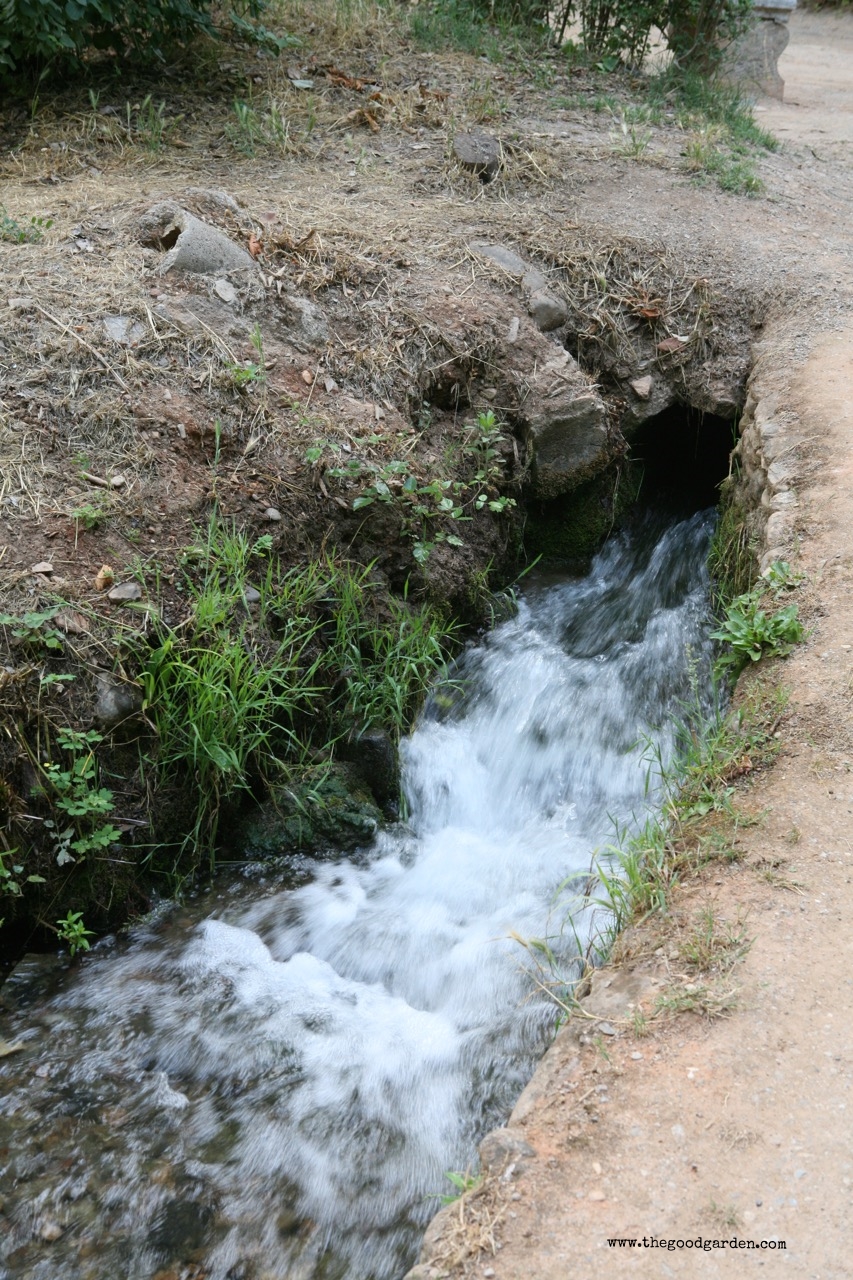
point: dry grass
(469, 1228)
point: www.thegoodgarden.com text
(698, 1242)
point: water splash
(276, 1082)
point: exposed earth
(727, 1120)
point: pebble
(225, 290)
(606, 1029)
(272, 513)
(50, 1231)
(596, 1195)
(489, 1272)
(307, 377)
(637, 1056)
(125, 591)
(43, 566)
(251, 595)
(117, 480)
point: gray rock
(502, 257)
(216, 198)
(375, 759)
(533, 280)
(123, 330)
(503, 1147)
(43, 566)
(192, 245)
(479, 153)
(115, 701)
(125, 591)
(547, 311)
(251, 595)
(272, 513)
(562, 418)
(568, 440)
(660, 396)
(309, 320)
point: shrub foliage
(41, 31)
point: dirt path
(738, 1126)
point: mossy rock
(569, 530)
(326, 807)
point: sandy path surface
(739, 1127)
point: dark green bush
(37, 32)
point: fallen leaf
(72, 622)
(670, 346)
(105, 577)
(256, 247)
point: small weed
(483, 102)
(631, 141)
(76, 793)
(146, 123)
(429, 506)
(73, 932)
(463, 1183)
(31, 629)
(639, 1024)
(252, 372)
(15, 232)
(13, 877)
(89, 516)
(780, 577)
(253, 129)
(600, 1049)
(750, 633)
(709, 1000)
(714, 945)
(726, 1216)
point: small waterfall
(275, 1082)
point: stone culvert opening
(683, 456)
(675, 461)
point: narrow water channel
(272, 1083)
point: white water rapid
(274, 1086)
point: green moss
(732, 557)
(329, 805)
(570, 529)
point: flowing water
(273, 1082)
